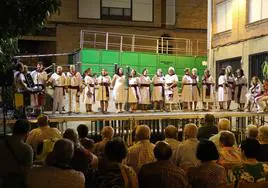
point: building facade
(174, 18)
(239, 36)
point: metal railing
(144, 43)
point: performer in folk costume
(186, 94)
(208, 90)
(240, 89)
(74, 82)
(134, 96)
(231, 85)
(145, 83)
(158, 94)
(104, 81)
(222, 89)
(39, 77)
(171, 88)
(58, 80)
(195, 88)
(254, 93)
(89, 91)
(119, 93)
(262, 101)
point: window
(224, 16)
(257, 10)
(116, 9)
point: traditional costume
(158, 90)
(145, 90)
(104, 88)
(187, 92)
(195, 89)
(119, 93)
(263, 99)
(171, 93)
(134, 95)
(208, 91)
(222, 91)
(240, 90)
(254, 93)
(89, 92)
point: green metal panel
(109, 57)
(90, 56)
(130, 58)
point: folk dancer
(39, 77)
(134, 96)
(89, 91)
(231, 85)
(158, 94)
(207, 90)
(119, 93)
(186, 94)
(222, 89)
(240, 89)
(262, 101)
(171, 89)
(145, 83)
(254, 93)
(195, 88)
(74, 82)
(104, 81)
(58, 80)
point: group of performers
(139, 90)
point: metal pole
(107, 40)
(121, 43)
(167, 48)
(133, 43)
(81, 39)
(157, 45)
(95, 39)
(197, 47)
(162, 45)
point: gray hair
(190, 131)
(252, 131)
(107, 132)
(263, 133)
(143, 132)
(171, 132)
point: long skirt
(119, 94)
(240, 96)
(133, 95)
(145, 95)
(222, 95)
(157, 94)
(186, 95)
(103, 94)
(195, 94)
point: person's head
(171, 71)
(222, 72)
(104, 72)
(227, 139)
(39, 66)
(145, 72)
(59, 69)
(89, 71)
(250, 148)
(255, 80)
(61, 154)
(71, 135)
(252, 131)
(190, 131)
(21, 128)
(82, 130)
(143, 132)
(187, 71)
(159, 72)
(224, 124)
(194, 71)
(42, 120)
(133, 72)
(209, 120)
(228, 70)
(162, 151)
(25, 69)
(107, 132)
(263, 134)
(207, 151)
(120, 71)
(240, 73)
(171, 132)
(115, 150)
(87, 143)
(72, 68)
(20, 67)
(206, 72)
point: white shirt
(57, 80)
(171, 79)
(74, 80)
(39, 77)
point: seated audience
(252, 132)
(171, 137)
(82, 131)
(223, 125)
(107, 134)
(263, 139)
(208, 129)
(162, 173)
(16, 156)
(43, 132)
(185, 154)
(88, 144)
(116, 174)
(58, 172)
(228, 152)
(250, 171)
(80, 160)
(208, 174)
(142, 151)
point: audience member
(208, 129)
(171, 137)
(43, 132)
(16, 156)
(223, 125)
(162, 173)
(58, 172)
(252, 132)
(80, 160)
(250, 170)
(263, 139)
(88, 144)
(142, 151)
(185, 154)
(208, 174)
(82, 131)
(228, 152)
(116, 174)
(107, 134)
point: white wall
(116, 3)
(142, 10)
(89, 9)
(170, 12)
